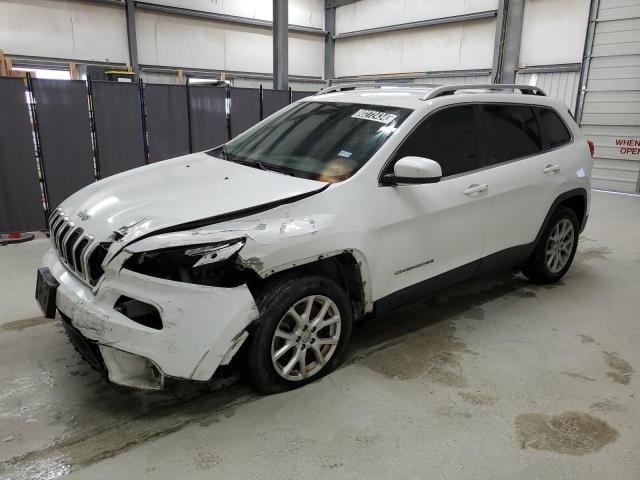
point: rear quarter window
(554, 127)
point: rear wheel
(556, 248)
(302, 334)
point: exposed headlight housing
(209, 264)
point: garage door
(611, 114)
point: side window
(554, 127)
(511, 132)
(449, 137)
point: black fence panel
(65, 136)
(245, 109)
(167, 121)
(208, 117)
(21, 206)
(297, 95)
(118, 126)
(273, 100)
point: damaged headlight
(211, 264)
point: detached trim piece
(422, 23)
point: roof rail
(451, 89)
(353, 86)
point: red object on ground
(15, 237)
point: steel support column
(512, 37)
(329, 40)
(586, 62)
(498, 44)
(131, 38)
(280, 44)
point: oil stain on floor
(18, 325)
(570, 433)
(621, 370)
(478, 399)
(432, 353)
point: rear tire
(303, 332)
(556, 248)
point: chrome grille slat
(69, 245)
(76, 253)
(60, 234)
(54, 230)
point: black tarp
(20, 197)
(118, 126)
(65, 136)
(208, 118)
(167, 121)
(273, 100)
(297, 95)
(245, 109)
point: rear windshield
(320, 141)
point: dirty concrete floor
(494, 379)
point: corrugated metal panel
(168, 78)
(563, 85)
(441, 78)
(454, 80)
(611, 113)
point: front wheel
(303, 332)
(556, 248)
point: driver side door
(431, 235)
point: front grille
(75, 247)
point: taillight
(592, 148)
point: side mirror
(413, 171)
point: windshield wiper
(262, 166)
(274, 168)
(222, 151)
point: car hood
(176, 192)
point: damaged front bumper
(201, 326)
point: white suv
(341, 206)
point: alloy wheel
(306, 337)
(559, 246)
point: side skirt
(500, 260)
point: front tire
(556, 248)
(303, 332)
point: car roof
(416, 96)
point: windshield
(321, 141)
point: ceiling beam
(339, 3)
(422, 23)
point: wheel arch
(575, 199)
(348, 267)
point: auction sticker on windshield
(374, 115)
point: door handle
(551, 169)
(475, 188)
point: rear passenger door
(526, 167)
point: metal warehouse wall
(560, 84)
(95, 31)
(611, 113)
(446, 47)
